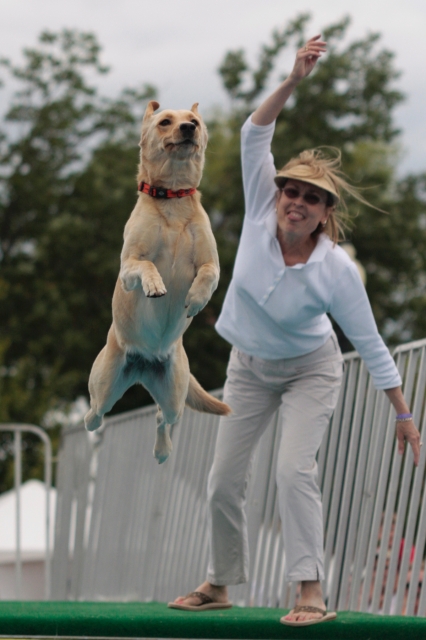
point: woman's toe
(301, 616)
(310, 616)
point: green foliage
(234, 66)
(68, 161)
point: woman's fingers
(415, 445)
(416, 452)
(307, 57)
(401, 441)
(321, 44)
(315, 42)
(311, 51)
(406, 431)
(314, 38)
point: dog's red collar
(162, 192)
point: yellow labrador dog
(169, 270)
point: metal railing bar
(187, 535)
(65, 483)
(420, 545)
(413, 504)
(98, 517)
(372, 505)
(200, 543)
(386, 494)
(174, 503)
(408, 346)
(197, 512)
(338, 480)
(147, 473)
(399, 487)
(121, 537)
(345, 539)
(17, 482)
(421, 525)
(354, 570)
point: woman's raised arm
(306, 59)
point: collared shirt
(274, 311)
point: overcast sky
(177, 45)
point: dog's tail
(200, 400)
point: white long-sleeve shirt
(274, 311)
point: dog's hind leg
(169, 387)
(163, 443)
(107, 383)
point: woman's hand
(307, 57)
(406, 431)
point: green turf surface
(155, 620)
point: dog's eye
(164, 122)
(195, 122)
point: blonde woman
(289, 273)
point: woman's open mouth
(294, 215)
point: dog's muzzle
(187, 130)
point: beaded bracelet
(404, 417)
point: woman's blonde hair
(315, 167)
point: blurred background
(76, 78)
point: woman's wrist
(404, 417)
(292, 80)
(398, 401)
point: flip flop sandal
(304, 623)
(205, 603)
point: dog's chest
(176, 249)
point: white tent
(33, 539)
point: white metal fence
(128, 529)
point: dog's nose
(187, 128)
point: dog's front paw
(195, 302)
(129, 281)
(153, 287)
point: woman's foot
(311, 596)
(217, 594)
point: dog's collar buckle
(161, 192)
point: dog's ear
(194, 108)
(151, 107)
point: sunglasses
(310, 197)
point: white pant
(308, 388)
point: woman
(288, 274)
